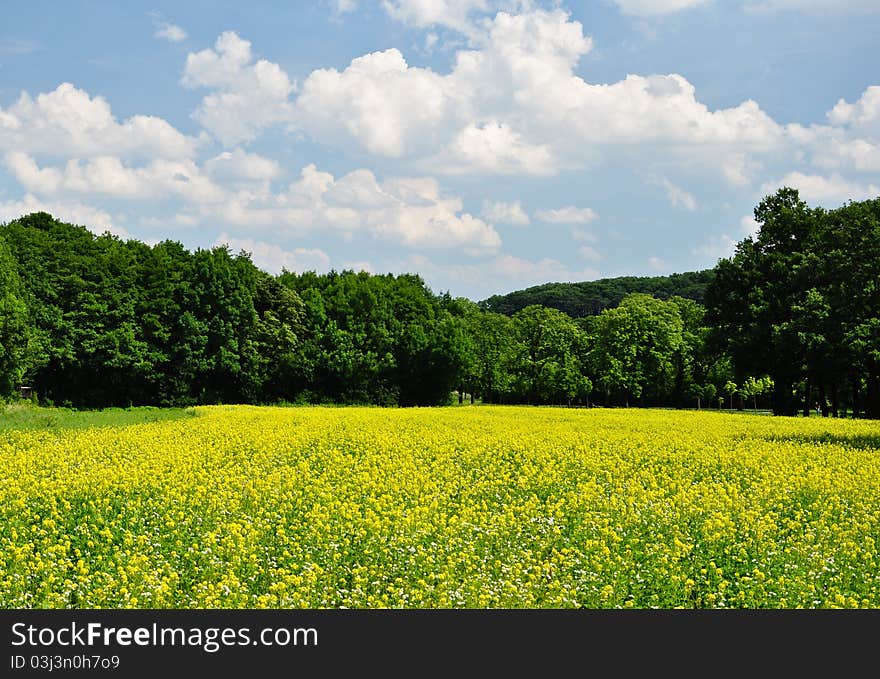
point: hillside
(591, 297)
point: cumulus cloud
(851, 140)
(378, 102)
(836, 148)
(107, 176)
(239, 164)
(410, 211)
(862, 116)
(505, 213)
(246, 95)
(273, 258)
(831, 191)
(567, 215)
(500, 108)
(467, 120)
(70, 122)
(233, 188)
(493, 148)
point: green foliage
(119, 323)
(14, 324)
(375, 339)
(590, 298)
(635, 346)
(792, 318)
(25, 416)
(546, 359)
(800, 302)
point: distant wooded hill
(590, 298)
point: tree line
(789, 322)
(589, 298)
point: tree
(546, 364)
(275, 340)
(634, 348)
(751, 300)
(801, 303)
(753, 387)
(14, 323)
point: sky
(486, 145)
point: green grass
(18, 416)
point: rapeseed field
(464, 507)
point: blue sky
(487, 145)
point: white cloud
(247, 96)
(170, 32)
(850, 143)
(273, 258)
(567, 215)
(423, 13)
(656, 7)
(862, 116)
(832, 191)
(678, 197)
(238, 164)
(468, 120)
(723, 246)
(107, 176)
(410, 211)
(69, 122)
(832, 148)
(504, 213)
(501, 107)
(493, 148)
(739, 169)
(378, 102)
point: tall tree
(634, 348)
(14, 323)
(547, 365)
(755, 302)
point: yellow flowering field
(483, 506)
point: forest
(790, 322)
(590, 298)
